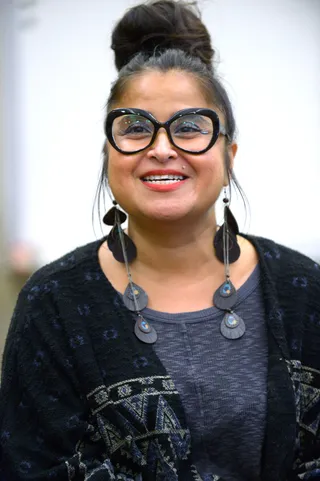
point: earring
(225, 297)
(115, 217)
(229, 230)
(125, 251)
(136, 299)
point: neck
(174, 248)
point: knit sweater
(222, 384)
(83, 399)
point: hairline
(126, 79)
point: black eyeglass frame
(217, 127)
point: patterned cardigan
(83, 399)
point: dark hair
(166, 35)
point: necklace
(136, 299)
(225, 298)
(232, 326)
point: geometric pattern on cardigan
(116, 393)
(134, 402)
(306, 381)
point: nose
(162, 150)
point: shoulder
(287, 274)
(291, 288)
(69, 267)
(280, 260)
(57, 286)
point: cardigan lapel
(278, 449)
(279, 442)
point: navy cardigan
(83, 399)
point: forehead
(163, 93)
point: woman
(176, 350)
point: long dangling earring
(231, 230)
(115, 217)
(125, 251)
(225, 297)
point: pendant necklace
(225, 297)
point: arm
(44, 423)
(307, 464)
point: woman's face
(163, 94)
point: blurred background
(56, 68)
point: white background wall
(269, 53)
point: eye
(137, 128)
(186, 127)
(191, 126)
(134, 126)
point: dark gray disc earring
(144, 331)
(111, 216)
(232, 231)
(232, 326)
(225, 297)
(135, 298)
(115, 217)
(124, 250)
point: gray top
(222, 382)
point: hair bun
(160, 25)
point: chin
(167, 214)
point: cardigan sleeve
(43, 419)
(307, 464)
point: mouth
(165, 179)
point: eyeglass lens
(191, 132)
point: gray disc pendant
(141, 298)
(232, 326)
(144, 331)
(225, 296)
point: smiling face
(134, 178)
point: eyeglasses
(192, 130)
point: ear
(231, 152)
(105, 148)
(105, 157)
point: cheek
(115, 177)
(121, 164)
(121, 174)
(118, 167)
(213, 167)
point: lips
(163, 177)
(163, 180)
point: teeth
(160, 182)
(157, 178)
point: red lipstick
(170, 180)
(163, 172)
